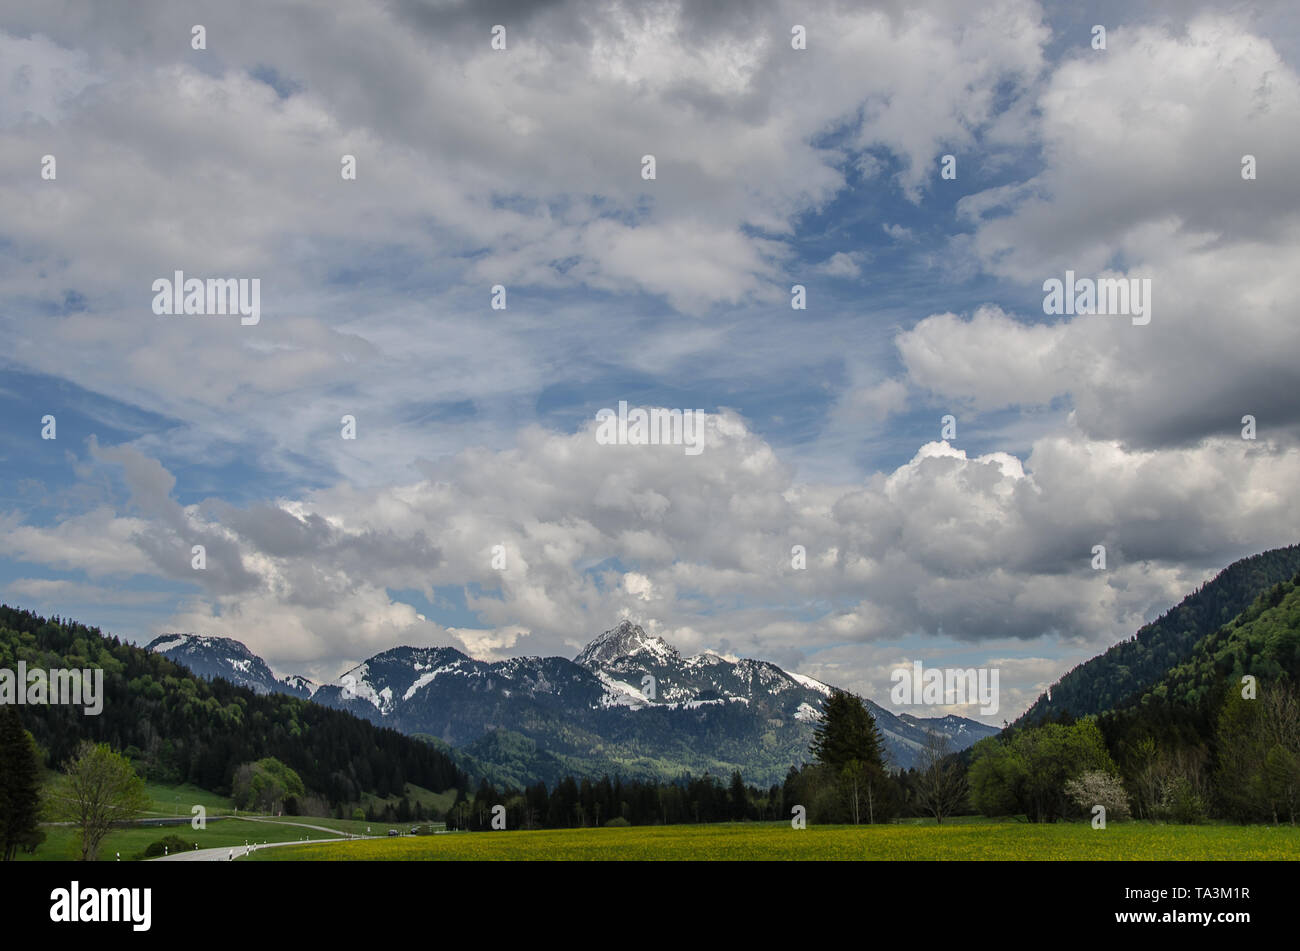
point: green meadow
(62, 842)
(978, 840)
(174, 801)
(225, 829)
(436, 802)
(965, 837)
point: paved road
(225, 853)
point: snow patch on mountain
(711, 702)
(164, 646)
(620, 694)
(425, 678)
(357, 687)
(807, 713)
(810, 683)
(297, 682)
(706, 659)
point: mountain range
(629, 704)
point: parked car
(392, 832)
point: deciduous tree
(98, 790)
(940, 780)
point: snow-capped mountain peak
(211, 656)
(398, 674)
(626, 640)
(627, 690)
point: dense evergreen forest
(846, 782)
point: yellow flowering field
(768, 841)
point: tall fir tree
(739, 797)
(847, 732)
(20, 775)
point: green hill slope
(1130, 668)
(1263, 641)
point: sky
(477, 505)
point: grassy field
(172, 802)
(179, 800)
(439, 801)
(972, 840)
(62, 843)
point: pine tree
(19, 786)
(847, 732)
(739, 798)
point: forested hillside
(178, 727)
(1194, 722)
(1214, 734)
(1264, 642)
(1133, 666)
